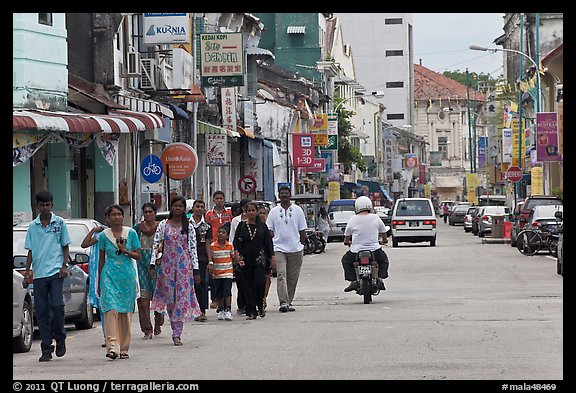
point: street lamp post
(494, 50)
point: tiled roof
(432, 85)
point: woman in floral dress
(174, 263)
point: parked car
(76, 288)
(78, 228)
(487, 218)
(560, 256)
(475, 218)
(524, 212)
(339, 221)
(457, 214)
(22, 317)
(413, 220)
(467, 223)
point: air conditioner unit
(133, 64)
(148, 80)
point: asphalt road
(462, 310)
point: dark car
(457, 215)
(524, 212)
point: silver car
(22, 318)
(76, 286)
(487, 217)
(339, 220)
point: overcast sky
(441, 42)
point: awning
(141, 105)
(386, 194)
(207, 128)
(113, 123)
(179, 112)
(245, 132)
(447, 182)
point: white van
(414, 221)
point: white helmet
(362, 203)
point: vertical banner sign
(422, 174)
(482, 142)
(222, 59)
(167, 28)
(320, 129)
(536, 187)
(302, 150)
(388, 155)
(561, 127)
(332, 132)
(547, 137)
(228, 95)
(333, 191)
(410, 161)
(216, 149)
(471, 187)
(516, 141)
(507, 145)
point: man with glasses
(47, 241)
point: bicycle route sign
(151, 168)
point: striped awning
(116, 122)
(207, 128)
(245, 132)
(141, 105)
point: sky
(441, 41)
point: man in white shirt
(364, 231)
(287, 224)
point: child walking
(222, 271)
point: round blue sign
(151, 168)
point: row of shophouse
(96, 96)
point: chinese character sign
(547, 137)
(222, 59)
(228, 95)
(216, 149)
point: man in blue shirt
(47, 243)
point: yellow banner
(536, 187)
(471, 183)
(333, 191)
(427, 193)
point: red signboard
(319, 166)
(179, 160)
(514, 173)
(303, 150)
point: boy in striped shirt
(222, 270)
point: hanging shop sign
(179, 160)
(222, 59)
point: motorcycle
(367, 275)
(316, 243)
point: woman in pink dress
(175, 264)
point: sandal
(112, 355)
(147, 336)
(157, 330)
(124, 355)
(250, 317)
(177, 341)
(262, 313)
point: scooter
(367, 275)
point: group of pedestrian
(169, 267)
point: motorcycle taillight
(536, 225)
(364, 261)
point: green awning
(207, 128)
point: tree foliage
(484, 80)
(347, 153)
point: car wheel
(433, 242)
(480, 233)
(86, 320)
(23, 342)
(466, 229)
(512, 238)
(394, 242)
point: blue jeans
(49, 309)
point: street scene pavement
(462, 310)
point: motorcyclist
(364, 231)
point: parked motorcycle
(316, 243)
(367, 275)
(554, 235)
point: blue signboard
(151, 168)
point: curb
(495, 241)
